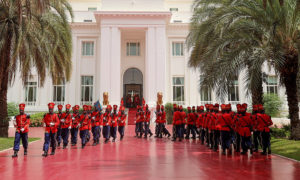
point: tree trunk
(290, 83)
(257, 91)
(5, 55)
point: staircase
(131, 116)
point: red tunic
(176, 118)
(264, 122)
(114, 119)
(245, 125)
(158, 117)
(224, 121)
(51, 118)
(85, 122)
(22, 121)
(106, 119)
(121, 119)
(147, 116)
(183, 117)
(66, 120)
(75, 120)
(96, 119)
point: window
(233, 92)
(173, 9)
(86, 89)
(59, 93)
(133, 49)
(30, 92)
(177, 48)
(178, 90)
(88, 48)
(272, 85)
(92, 9)
(205, 93)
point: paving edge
(286, 158)
(20, 146)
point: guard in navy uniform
(21, 123)
(114, 123)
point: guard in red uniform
(191, 121)
(235, 125)
(21, 123)
(66, 125)
(114, 123)
(177, 122)
(121, 122)
(106, 123)
(58, 134)
(84, 126)
(224, 123)
(211, 126)
(158, 128)
(183, 117)
(164, 121)
(205, 124)
(200, 120)
(256, 133)
(97, 117)
(51, 122)
(147, 121)
(245, 127)
(215, 127)
(75, 125)
(264, 123)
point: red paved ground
(131, 116)
(142, 159)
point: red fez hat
(193, 108)
(22, 106)
(115, 107)
(147, 106)
(255, 107)
(108, 107)
(198, 108)
(238, 106)
(228, 106)
(180, 108)
(260, 107)
(211, 107)
(51, 105)
(60, 107)
(207, 106)
(201, 107)
(162, 107)
(157, 107)
(85, 107)
(245, 105)
(68, 106)
(74, 108)
(223, 107)
(189, 108)
(77, 107)
(122, 108)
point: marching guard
(121, 122)
(97, 117)
(51, 123)
(114, 123)
(106, 123)
(264, 123)
(84, 126)
(66, 125)
(21, 123)
(58, 134)
(75, 125)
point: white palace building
(129, 47)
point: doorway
(132, 87)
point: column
(150, 64)
(110, 62)
(155, 65)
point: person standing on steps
(21, 123)
(66, 125)
(51, 123)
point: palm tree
(229, 36)
(34, 34)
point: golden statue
(105, 98)
(159, 98)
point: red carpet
(142, 159)
(131, 116)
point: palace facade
(129, 48)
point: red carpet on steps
(136, 159)
(131, 116)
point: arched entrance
(132, 87)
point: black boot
(82, 146)
(151, 134)
(98, 141)
(121, 138)
(65, 146)
(106, 141)
(15, 154)
(52, 152)
(45, 154)
(25, 152)
(95, 143)
(114, 139)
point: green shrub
(272, 104)
(36, 119)
(12, 109)
(169, 112)
(286, 127)
(278, 132)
